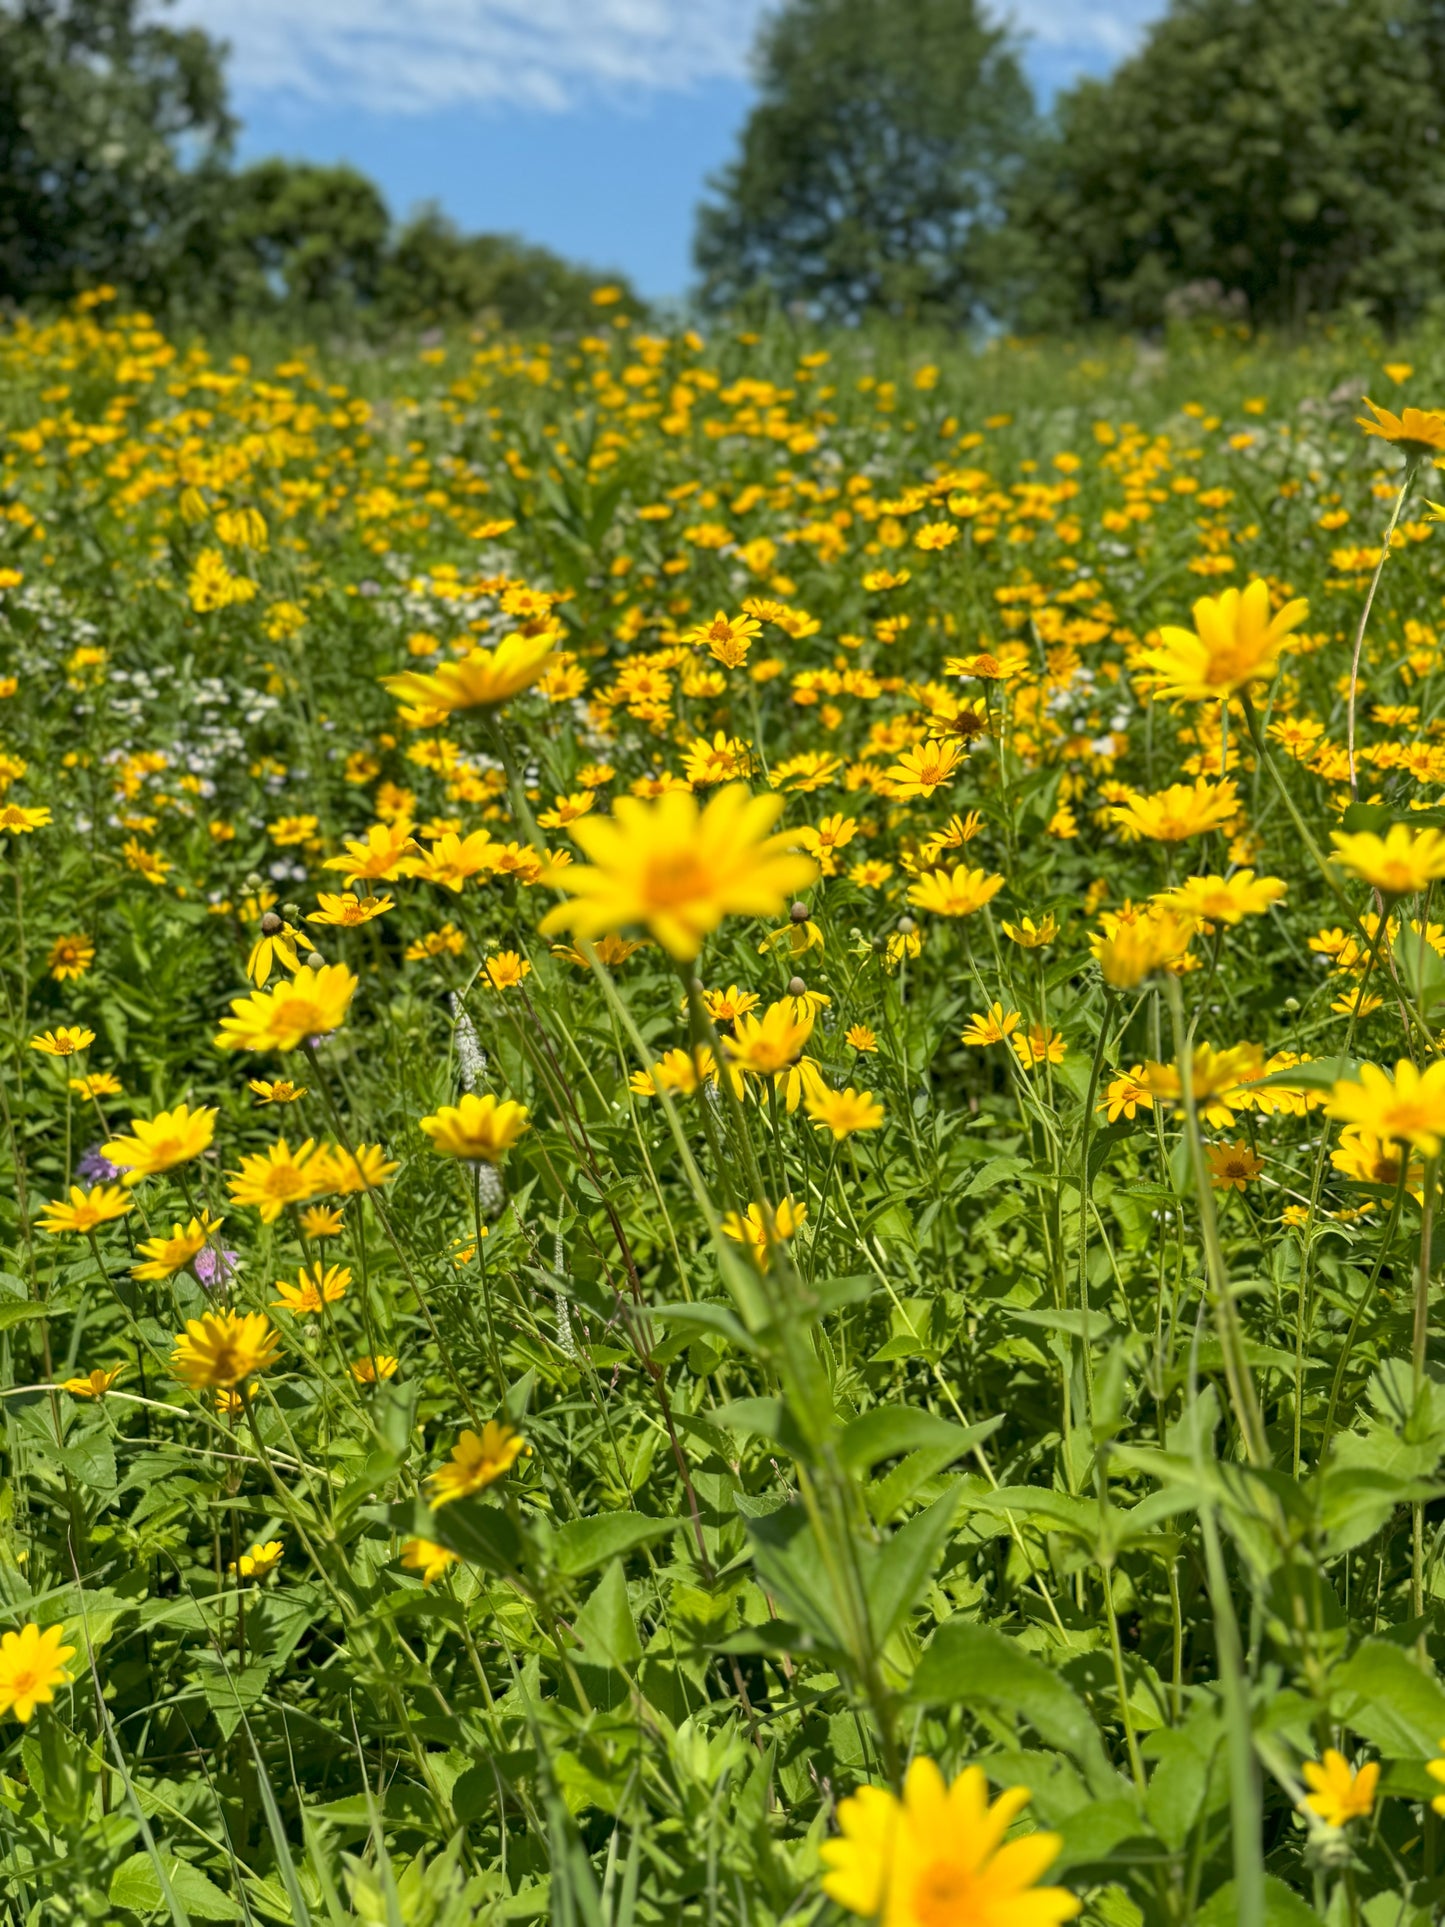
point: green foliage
(98, 102)
(435, 274)
(883, 135)
(1274, 158)
(303, 236)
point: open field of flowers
(721, 1113)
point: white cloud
(411, 56)
(405, 56)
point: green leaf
(763, 1418)
(897, 1572)
(969, 1665)
(605, 1625)
(1367, 819)
(19, 1311)
(712, 1317)
(481, 1534)
(583, 1544)
(1390, 1701)
(1282, 1907)
(890, 1430)
(136, 1885)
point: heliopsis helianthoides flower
(1039, 1044)
(1175, 814)
(506, 970)
(378, 856)
(843, 1112)
(772, 1043)
(278, 1090)
(374, 1370)
(679, 870)
(1415, 431)
(750, 1230)
(994, 1026)
(1364, 1157)
(84, 1210)
(1397, 864)
(70, 956)
(1029, 935)
(728, 638)
(66, 1040)
(314, 1003)
(954, 893)
(476, 1462)
(1131, 948)
(452, 861)
(426, 1557)
(480, 1129)
(1126, 1094)
(1232, 1166)
(278, 1176)
(32, 1665)
(347, 911)
(97, 1084)
(223, 1349)
(679, 1072)
(158, 1144)
(166, 1256)
(16, 820)
(1224, 899)
(938, 1856)
(1408, 1108)
(921, 771)
(95, 1384)
(281, 945)
(1235, 641)
(256, 1563)
(482, 679)
(366, 1167)
(1340, 1792)
(316, 1286)
(858, 1037)
(321, 1221)
(1217, 1078)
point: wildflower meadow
(722, 1104)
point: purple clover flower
(92, 1168)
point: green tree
(872, 163)
(435, 274)
(304, 236)
(113, 140)
(1281, 156)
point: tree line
(1270, 159)
(117, 165)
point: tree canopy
(884, 134)
(116, 166)
(114, 133)
(1285, 157)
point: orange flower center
(674, 877)
(947, 1896)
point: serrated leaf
(605, 1626)
(583, 1544)
(890, 1430)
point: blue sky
(589, 125)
